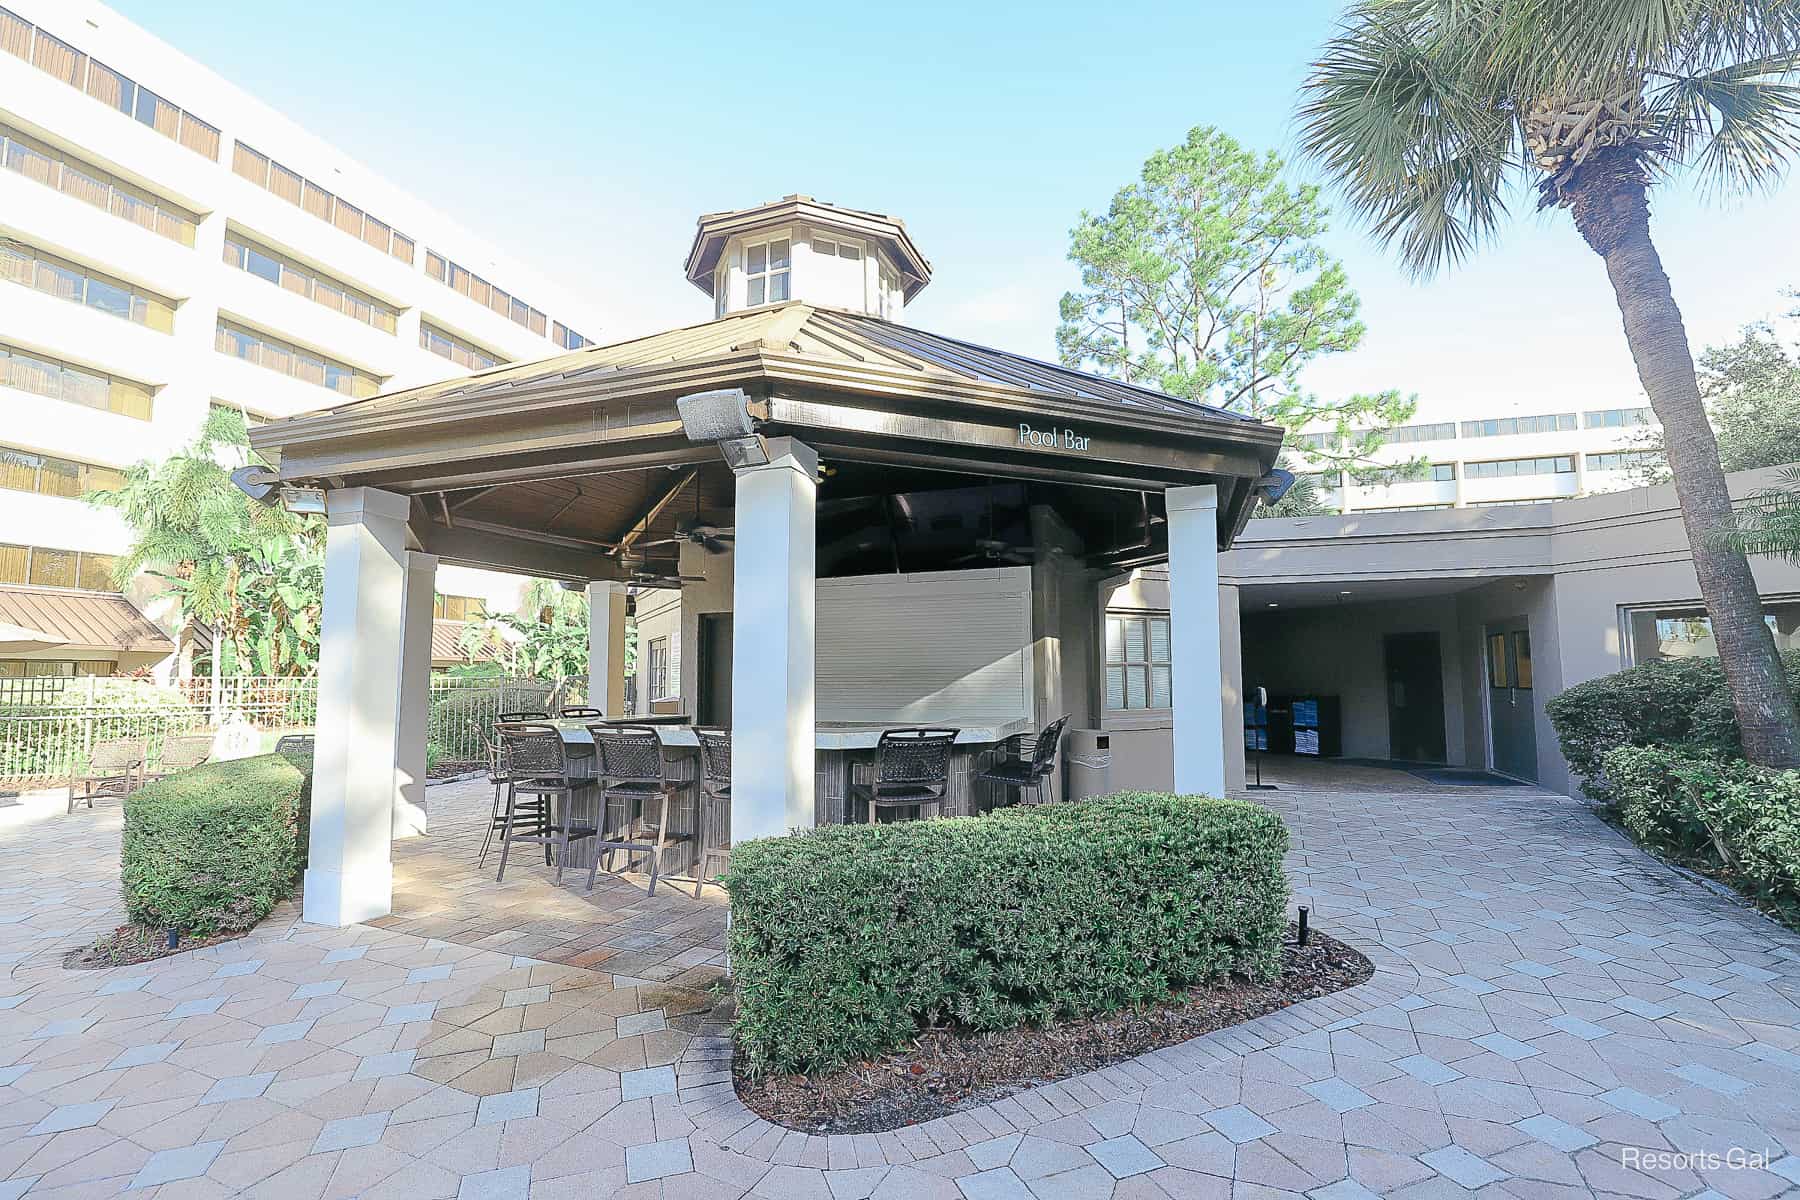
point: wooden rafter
(639, 527)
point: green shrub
(1677, 703)
(847, 940)
(213, 849)
(1743, 818)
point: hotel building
(1523, 457)
(167, 244)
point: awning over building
(87, 624)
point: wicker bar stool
(912, 770)
(519, 718)
(712, 827)
(1018, 772)
(580, 712)
(629, 763)
(537, 765)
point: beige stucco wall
(1570, 569)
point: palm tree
(1427, 110)
(197, 532)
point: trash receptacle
(1087, 770)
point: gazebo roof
(834, 335)
(497, 459)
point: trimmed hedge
(1679, 702)
(1743, 819)
(847, 940)
(212, 850)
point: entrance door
(1415, 697)
(1512, 714)
(713, 707)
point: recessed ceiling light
(1344, 592)
(1273, 604)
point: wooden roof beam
(639, 527)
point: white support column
(350, 874)
(420, 592)
(606, 646)
(1198, 684)
(772, 652)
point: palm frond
(1769, 522)
(1739, 124)
(1421, 144)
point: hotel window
(1507, 468)
(1443, 472)
(24, 471)
(47, 567)
(1622, 460)
(89, 184)
(1137, 660)
(766, 272)
(277, 268)
(457, 350)
(1443, 431)
(1507, 426)
(309, 197)
(57, 58)
(1316, 441)
(658, 669)
(567, 338)
(1617, 418)
(1685, 631)
(65, 280)
(466, 282)
(294, 362)
(458, 608)
(42, 375)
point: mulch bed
(948, 1070)
(130, 944)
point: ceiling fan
(714, 539)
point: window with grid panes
(1137, 661)
(766, 272)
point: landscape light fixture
(723, 416)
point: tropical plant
(1205, 279)
(1426, 110)
(546, 639)
(249, 571)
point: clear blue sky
(585, 138)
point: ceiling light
(1273, 604)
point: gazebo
(803, 435)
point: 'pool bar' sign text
(1050, 439)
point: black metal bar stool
(912, 770)
(1018, 772)
(528, 811)
(537, 765)
(712, 824)
(629, 765)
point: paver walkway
(1550, 1007)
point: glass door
(1512, 713)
